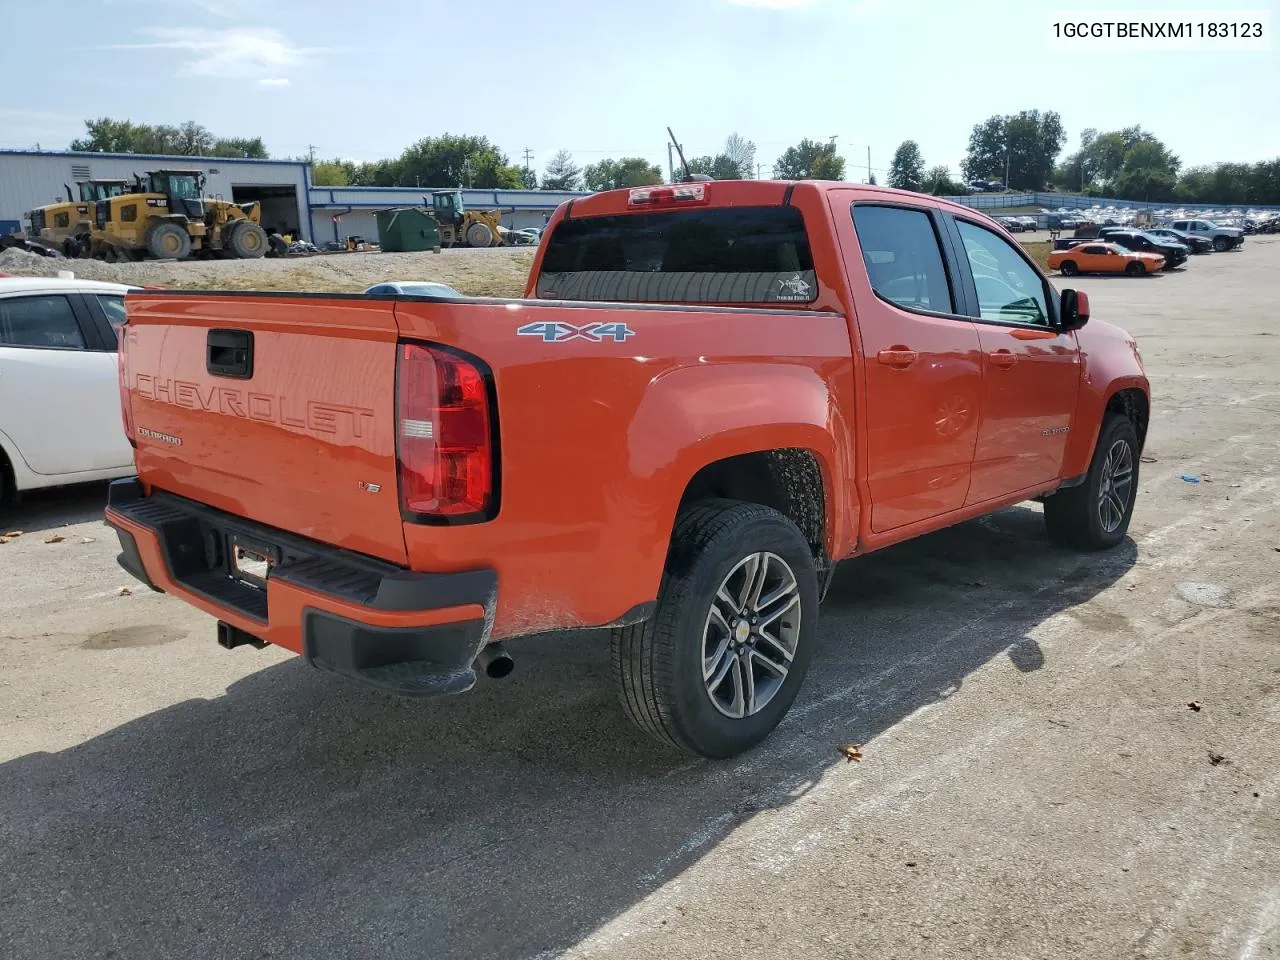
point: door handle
(899, 357)
(1002, 358)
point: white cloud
(274, 81)
(246, 53)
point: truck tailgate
(277, 409)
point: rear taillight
(444, 438)
(122, 372)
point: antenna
(688, 177)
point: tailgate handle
(230, 354)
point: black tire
(248, 241)
(1068, 268)
(659, 663)
(1135, 269)
(1074, 517)
(1221, 244)
(169, 241)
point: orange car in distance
(1103, 258)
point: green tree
(456, 161)
(810, 160)
(937, 180)
(562, 173)
(332, 173)
(1025, 144)
(1149, 172)
(906, 171)
(741, 152)
(719, 167)
(627, 172)
(189, 139)
(251, 148)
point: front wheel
(1135, 269)
(1221, 244)
(1095, 515)
(720, 662)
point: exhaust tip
(495, 661)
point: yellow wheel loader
(67, 226)
(167, 217)
(460, 226)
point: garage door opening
(279, 206)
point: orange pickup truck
(711, 393)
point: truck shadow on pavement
(302, 816)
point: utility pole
(528, 154)
(759, 167)
(311, 154)
(671, 167)
(868, 163)
(1006, 166)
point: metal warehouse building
(289, 202)
(341, 212)
(31, 179)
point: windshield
(184, 186)
(725, 255)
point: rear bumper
(413, 634)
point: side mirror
(1073, 311)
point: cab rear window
(723, 255)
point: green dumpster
(407, 229)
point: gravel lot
(494, 272)
(1034, 782)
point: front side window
(903, 258)
(705, 255)
(1009, 290)
(44, 321)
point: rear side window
(726, 255)
(904, 262)
(113, 307)
(46, 321)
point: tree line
(1020, 150)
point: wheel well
(1133, 404)
(789, 480)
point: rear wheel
(720, 662)
(169, 241)
(248, 241)
(1095, 515)
(1135, 269)
(1069, 268)
(479, 235)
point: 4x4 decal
(561, 332)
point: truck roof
(756, 192)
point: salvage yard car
(1091, 256)
(1222, 238)
(710, 394)
(59, 394)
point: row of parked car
(1139, 251)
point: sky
(363, 81)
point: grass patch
(1038, 250)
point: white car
(60, 416)
(413, 288)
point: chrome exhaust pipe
(495, 661)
